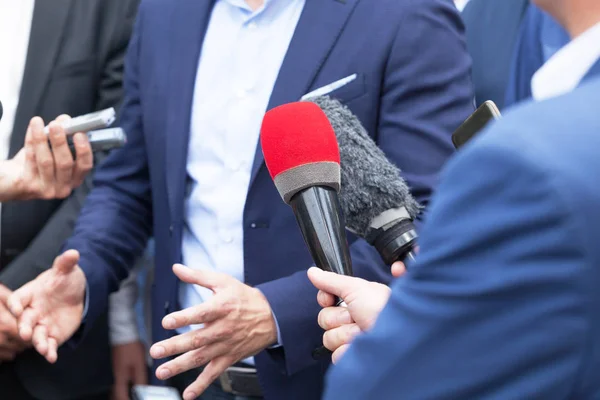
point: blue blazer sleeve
(427, 93)
(114, 224)
(493, 307)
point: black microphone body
(375, 200)
(317, 210)
(1, 111)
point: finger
(43, 155)
(190, 360)
(52, 353)
(7, 355)
(40, 340)
(208, 279)
(398, 269)
(19, 300)
(337, 355)
(4, 293)
(84, 158)
(187, 342)
(120, 390)
(140, 375)
(335, 338)
(200, 314)
(212, 371)
(27, 323)
(66, 262)
(325, 299)
(63, 160)
(333, 317)
(338, 285)
(61, 119)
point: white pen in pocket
(88, 122)
(325, 90)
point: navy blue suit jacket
(539, 38)
(413, 89)
(502, 302)
(492, 30)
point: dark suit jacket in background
(412, 90)
(492, 28)
(74, 66)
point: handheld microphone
(376, 201)
(1, 110)
(302, 156)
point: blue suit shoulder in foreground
(503, 300)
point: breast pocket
(351, 91)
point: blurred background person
(492, 29)
(509, 41)
(59, 57)
(540, 37)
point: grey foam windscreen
(370, 183)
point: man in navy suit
(540, 37)
(200, 76)
(503, 300)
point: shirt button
(228, 239)
(252, 25)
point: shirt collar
(565, 70)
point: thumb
(338, 285)
(208, 279)
(66, 262)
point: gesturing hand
(364, 301)
(49, 309)
(238, 323)
(10, 342)
(42, 169)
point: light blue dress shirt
(241, 57)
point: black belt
(241, 380)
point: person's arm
(114, 225)
(494, 306)
(427, 94)
(47, 244)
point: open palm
(50, 308)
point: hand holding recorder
(44, 168)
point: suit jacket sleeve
(427, 94)
(40, 254)
(493, 306)
(114, 225)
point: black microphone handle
(317, 210)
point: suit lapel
(317, 31)
(47, 29)
(188, 26)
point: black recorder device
(486, 113)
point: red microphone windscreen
(300, 148)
